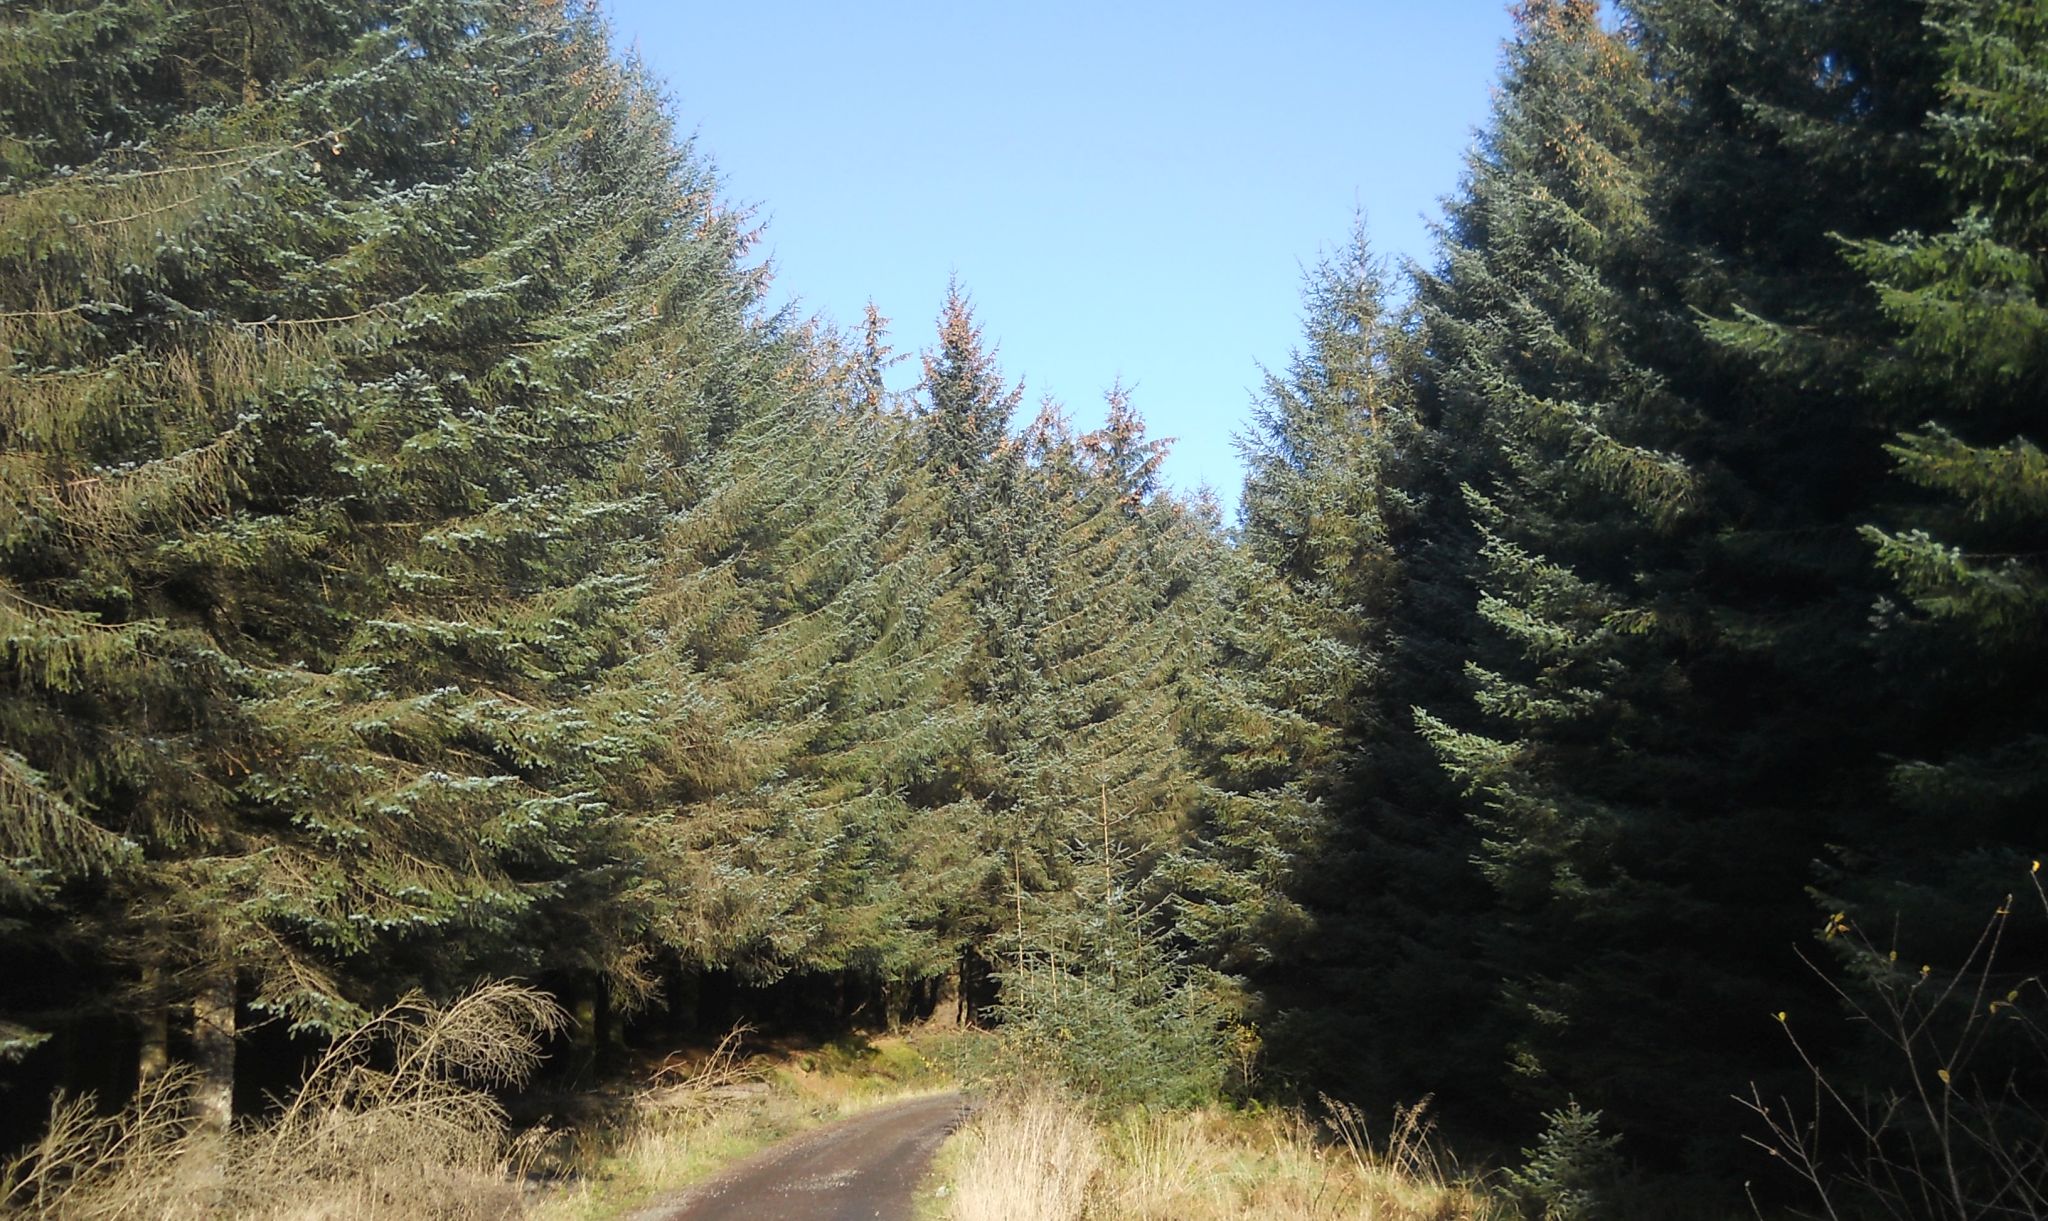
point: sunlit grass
(1037, 1155)
(394, 1122)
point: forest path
(858, 1169)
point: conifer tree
(317, 537)
(1348, 505)
(1671, 706)
(804, 629)
(967, 414)
(1098, 781)
(1541, 405)
(871, 391)
(1965, 376)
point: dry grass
(656, 1150)
(1030, 1156)
(395, 1121)
(1038, 1155)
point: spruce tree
(1672, 708)
(797, 680)
(1964, 374)
(1955, 363)
(1563, 488)
(1095, 964)
(319, 534)
(967, 414)
(1350, 505)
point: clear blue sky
(1125, 189)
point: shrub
(1947, 1121)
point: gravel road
(858, 1169)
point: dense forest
(425, 559)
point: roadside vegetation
(402, 1119)
(427, 558)
(697, 1115)
(396, 1120)
(1040, 1154)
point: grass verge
(1036, 1154)
(401, 1120)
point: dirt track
(862, 1168)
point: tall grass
(1031, 1156)
(1040, 1156)
(394, 1121)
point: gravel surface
(858, 1169)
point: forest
(1618, 711)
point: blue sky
(1125, 189)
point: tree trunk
(250, 93)
(154, 1058)
(213, 1052)
(585, 1016)
(604, 1026)
(949, 1008)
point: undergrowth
(395, 1121)
(400, 1119)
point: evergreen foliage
(316, 542)
(423, 559)
(1573, 1165)
(1678, 608)
(425, 562)
(1568, 470)
(1671, 695)
(1965, 371)
(1347, 507)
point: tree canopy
(424, 557)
